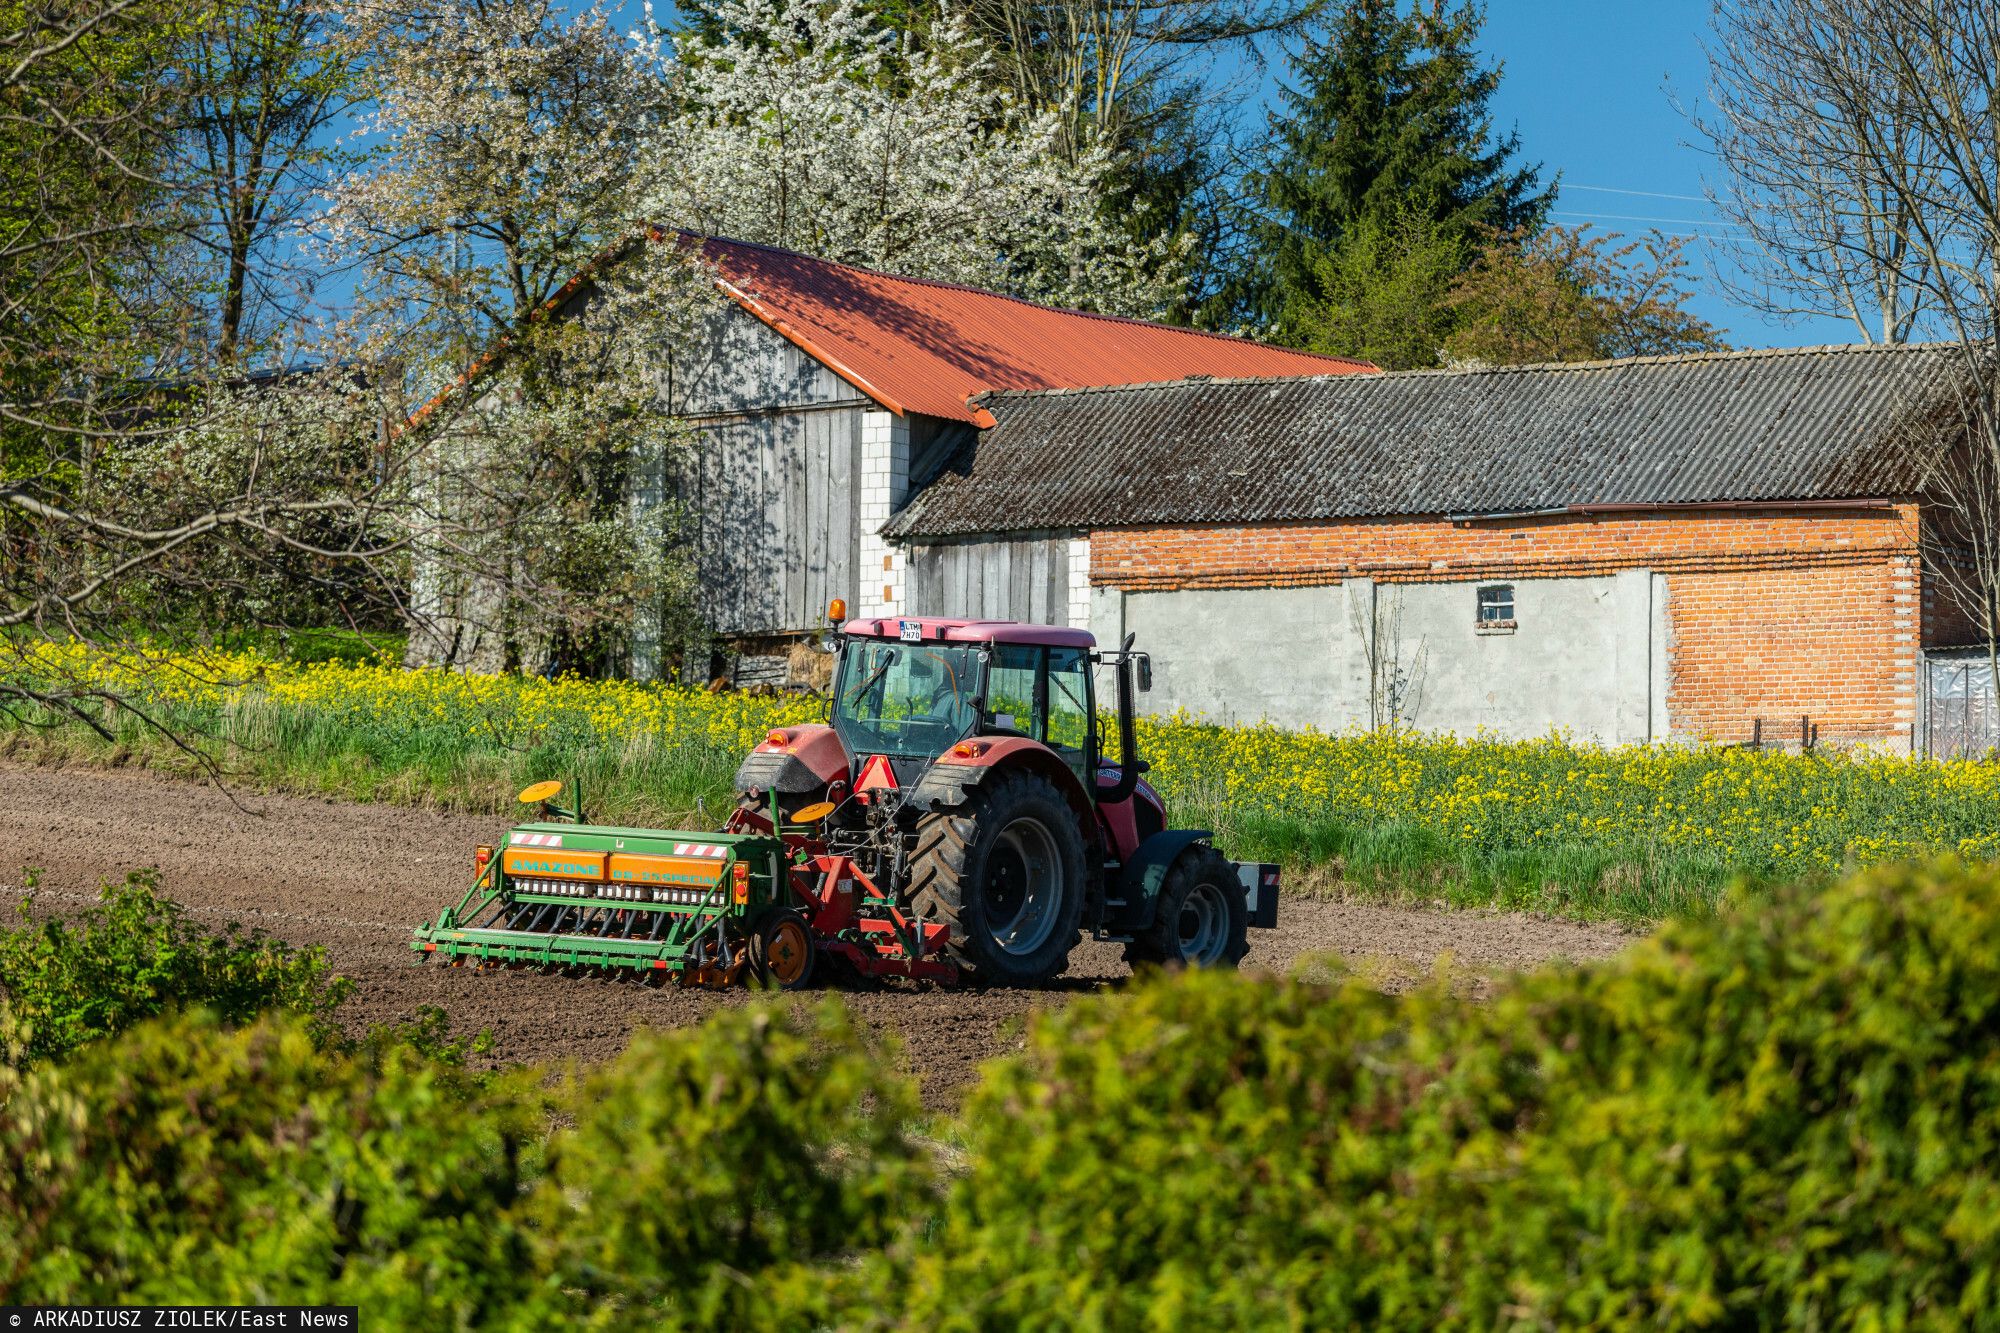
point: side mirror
(1142, 664)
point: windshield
(906, 699)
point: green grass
(306, 646)
(262, 746)
(1407, 862)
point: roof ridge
(1186, 381)
(1467, 372)
(1021, 300)
(1679, 358)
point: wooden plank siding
(771, 496)
(1010, 578)
(742, 366)
(771, 479)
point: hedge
(1787, 1115)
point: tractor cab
(912, 690)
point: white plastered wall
(1587, 656)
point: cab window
(1010, 690)
(1069, 704)
(905, 699)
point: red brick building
(1720, 547)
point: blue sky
(1591, 86)
(1587, 85)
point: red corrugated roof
(919, 346)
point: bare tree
(267, 86)
(500, 230)
(1959, 531)
(152, 493)
(1155, 86)
(1826, 167)
(89, 293)
(1396, 672)
(290, 482)
(1863, 143)
(1094, 61)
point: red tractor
(963, 773)
(957, 818)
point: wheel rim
(788, 952)
(1202, 928)
(1023, 887)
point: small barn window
(1496, 608)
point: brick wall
(1772, 614)
(1834, 643)
(1950, 621)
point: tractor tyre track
(352, 879)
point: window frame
(1085, 762)
(1484, 624)
(1035, 724)
(863, 735)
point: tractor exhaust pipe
(1129, 765)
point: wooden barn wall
(1019, 578)
(772, 494)
(770, 479)
(742, 366)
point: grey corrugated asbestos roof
(1806, 424)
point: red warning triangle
(876, 773)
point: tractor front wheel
(1005, 872)
(1201, 919)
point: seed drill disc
(541, 791)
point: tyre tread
(945, 842)
(1155, 945)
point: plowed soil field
(354, 878)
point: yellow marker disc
(541, 791)
(812, 814)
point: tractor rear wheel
(1005, 872)
(1201, 919)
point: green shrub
(697, 1181)
(190, 1162)
(709, 1170)
(136, 954)
(1789, 1116)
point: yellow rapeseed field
(386, 701)
(1764, 814)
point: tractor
(959, 817)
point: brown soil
(355, 878)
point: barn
(1725, 547)
(1722, 547)
(823, 389)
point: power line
(1641, 194)
(1642, 217)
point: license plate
(912, 631)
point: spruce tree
(1388, 116)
